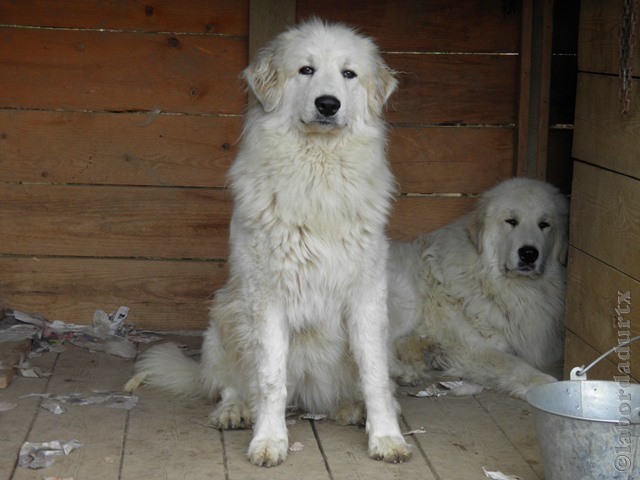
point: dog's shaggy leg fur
(495, 369)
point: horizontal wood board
(163, 295)
(196, 151)
(450, 159)
(217, 17)
(96, 70)
(594, 292)
(603, 136)
(454, 89)
(114, 221)
(98, 148)
(435, 26)
(604, 217)
(168, 223)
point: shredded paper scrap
(42, 455)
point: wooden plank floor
(164, 438)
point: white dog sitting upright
(483, 298)
(303, 319)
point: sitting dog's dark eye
(349, 74)
(543, 225)
(512, 221)
(307, 70)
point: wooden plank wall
(604, 257)
(119, 119)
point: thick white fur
(461, 300)
(303, 318)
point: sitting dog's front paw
(268, 452)
(390, 449)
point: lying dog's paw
(466, 388)
(268, 451)
(390, 449)
(530, 381)
(231, 416)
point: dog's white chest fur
(313, 210)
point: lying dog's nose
(528, 254)
(327, 105)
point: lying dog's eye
(349, 74)
(512, 221)
(543, 225)
(307, 70)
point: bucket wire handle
(580, 373)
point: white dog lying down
(303, 317)
(483, 298)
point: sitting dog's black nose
(528, 254)
(327, 105)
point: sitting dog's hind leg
(232, 412)
(352, 413)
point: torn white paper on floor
(42, 455)
(33, 372)
(105, 325)
(417, 430)
(43, 324)
(6, 406)
(313, 416)
(431, 391)
(54, 407)
(499, 475)
(54, 403)
(296, 447)
(458, 388)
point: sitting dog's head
(321, 77)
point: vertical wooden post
(526, 33)
(544, 86)
(267, 18)
(535, 78)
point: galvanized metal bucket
(588, 430)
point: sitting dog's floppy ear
(475, 225)
(263, 78)
(380, 89)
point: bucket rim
(560, 384)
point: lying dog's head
(520, 226)
(321, 77)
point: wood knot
(174, 42)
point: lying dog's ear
(475, 225)
(380, 89)
(561, 242)
(263, 78)
(562, 248)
